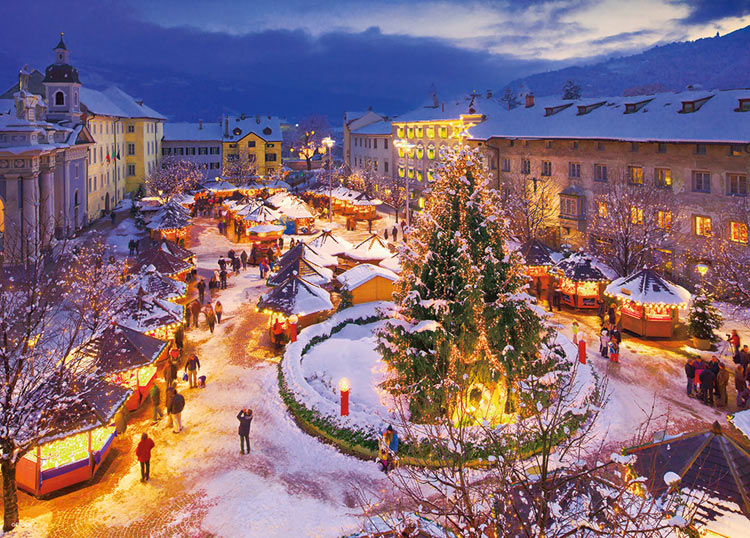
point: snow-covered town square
(375, 270)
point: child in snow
(384, 446)
(614, 350)
(575, 332)
(604, 343)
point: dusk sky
(294, 57)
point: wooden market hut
(165, 263)
(170, 222)
(218, 188)
(79, 444)
(538, 260)
(150, 315)
(712, 466)
(129, 359)
(296, 297)
(153, 283)
(330, 244)
(372, 250)
(364, 207)
(650, 304)
(367, 283)
(581, 281)
(308, 270)
(263, 236)
(176, 250)
(304, 250)
(299, 217)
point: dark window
(525, 166)
(735, 150)
(737, 184)
(701, 181)
(549, 144)
(574, 170)
(661, 147)
(600, 172)
(251, 143)
(506, 165)
(700, 149)
(59, 98)
(546, 168)
(270, 156)
(634, 147)
(600, 146)
(574, 144)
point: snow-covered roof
(644, 118)
(356, 276)
(266, 127)
(262, 213)
(115, 102)
(741, 421)
(184, 198)
(365, 199)
(185, 131)
(218, 185)
(175, 249)
(265, 228)
(158, 285)
(118, 349)
(647, 286)
(163, 262)
(392, 262)
(536, 253)
(372, 248)
(327, 243)
(377, 128)
(296, 296)
(153, 314)
(303, 250)
(451, 110)
(582, 268)
(170, 216)
(304, 268)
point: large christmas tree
(463, 326)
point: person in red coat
(143, 451)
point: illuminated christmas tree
(465, 333)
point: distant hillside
(714, 63)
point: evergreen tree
(704, 317)
(460, 313)
(571, 90)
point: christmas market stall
(185, 199)
(218, 188)
(364, 207)
(367, 282)
(330, 244)
(176, 250)
(650, 304)
(79, 445)
(299, 266)
(303, 250)
(538, 260)
(297, 215)
(294, 302)
(127, 358)
(582, 280)
(155, 284)
(165, 263)
(170, 222)
(264, 236)
(372, 250)
(150, 315)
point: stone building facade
(199, 142)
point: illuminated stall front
(217, 188)
(79, 445)
(649, 303)
(155, 284)
(581, 281)
(538, 260)
(296, 297)
(150, 315)
(129, 359)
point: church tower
(62, 87)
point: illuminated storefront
(581, 281)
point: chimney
(529, 100)
(226, 127)
(443, 107)
(200, 124)
(489, 94)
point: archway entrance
(106, 202)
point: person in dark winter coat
(722, 380)
(395, 232)
(743, 394)
(690, 373)
(175, 410)
(201, 290)
(707, 379)
(236, 264)
(155, 397)
(192, 365)
(254, 255)
(612, 315)
(281, 243)
(210, 317)
(245, 416)
(714, 365)
(136, 242)
(222, 263)
(131, 247)
(196, 308)
(218, 310)
(600, 309)
(243, 259)
(179, 337)
(143, 452)
(385, 234)
(223, 278)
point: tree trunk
(396, 210)
(308, 160)
(10, 496)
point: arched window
(75, 98)
(420, 151)
(59, 98)
(76, 202)
(431, 151)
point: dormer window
(744, 105)
(693, 106)
(585, 109)
(688, 107)
(552, 110)
(631, 108)
(267, 131)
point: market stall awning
(648, 287)
(328, 243)
(582, 268)
(372, 248)
(175, 250)
(155, 284)
(296, 296)
(163, 262)
(310, 271)
(303, 250)
(118, 349)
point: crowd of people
(708, 380)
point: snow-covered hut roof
(174, 249)
(279, 199)
(296, 296)
(365, 199)
(118, 349)
(356, 276)
(149, 203)
(184, 198)
(171, 216)
(218, 185)
(582, 268)
(303, 250)
(265, 228)
(155, 284)
(163, 262)
(304, 268)
(741, 421)
(153, 314)
(276, 184)
(392, 262)
(296, 209)
(97, 406)
(327, 243)
(536, 253)
(262, 213)
(648, 287)
(372, 248)
(707, 461)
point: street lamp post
(328, 142)
(406, 147)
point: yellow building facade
(105, 182)
(143, 138)
(256, 139)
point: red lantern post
(344, 390)
(582, 351)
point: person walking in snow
(223, 279)
(236, 264)
(243, 259)
(210, 318)
(201, 291)
(245, 416)
(722, 380)
(196, 308)
(175, 408)
(690, 374)
(575, 332)
(143, 453)
(192, 365)
(179, 338)
(218, 310)
(604, 343)
(131, 247)
(155, 397)
(708, 379)
(385, 234)
(395, 232)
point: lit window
(411, 172)
(420, 151)
(664, 219)
(702, 225)
(401, 171)
(410, 132)
(569, 207)
(431, 151)
(401, 152)
(738, 232)
(663, 177)
(419, 175)
(737, 184)
(419, 131)
(635, 173)
(420, 202)
(735, 150)
(431, 174)
(602, 209)
(430, 132)
(400, 131)
(443, 131)
(636, 215)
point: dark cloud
(188, 73)
(706, 11)
(622, 37)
